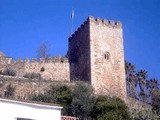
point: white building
(16, 110)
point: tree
(152, 86)
(107, 108)
(156, 103)
(43, 50)
(83, 100)
(142, 76)
(131, 79)
(149, 90)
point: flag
(72, 15)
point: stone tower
(96, 56)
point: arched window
(107, 56)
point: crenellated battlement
(96, 55)
(94, 50)
(79, 29)
(105, 22)
(56, 59)
(110, 23)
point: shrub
(60, 94)
(144, 115)
(83, 100)
(41, 98)
(33, 75)
(9, 72)
(9, 91)
(107, 108)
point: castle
(96, 56)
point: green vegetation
(32, 75)
(107, 108)
(9, 72)
(140, 87)
(156, 103)
(60, 94)
(9, 93)
(144, 115)
(81, 102)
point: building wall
(11, 110)
(79, 54)
(107, 57)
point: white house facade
(17, 110)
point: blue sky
(24, 24)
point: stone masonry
(96, 55)
(55, 69)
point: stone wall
(24, 87)
(79, 53)
(53, 69)
(97, 55)
(107, 57)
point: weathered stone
(94, 53)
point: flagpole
(72, 27)
(72, 20)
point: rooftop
(32, 103)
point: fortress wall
(107, 57)
(79, 54)
(96, 55)
(18, 67)
(24, 87)
(54, 69)
(5, 60)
